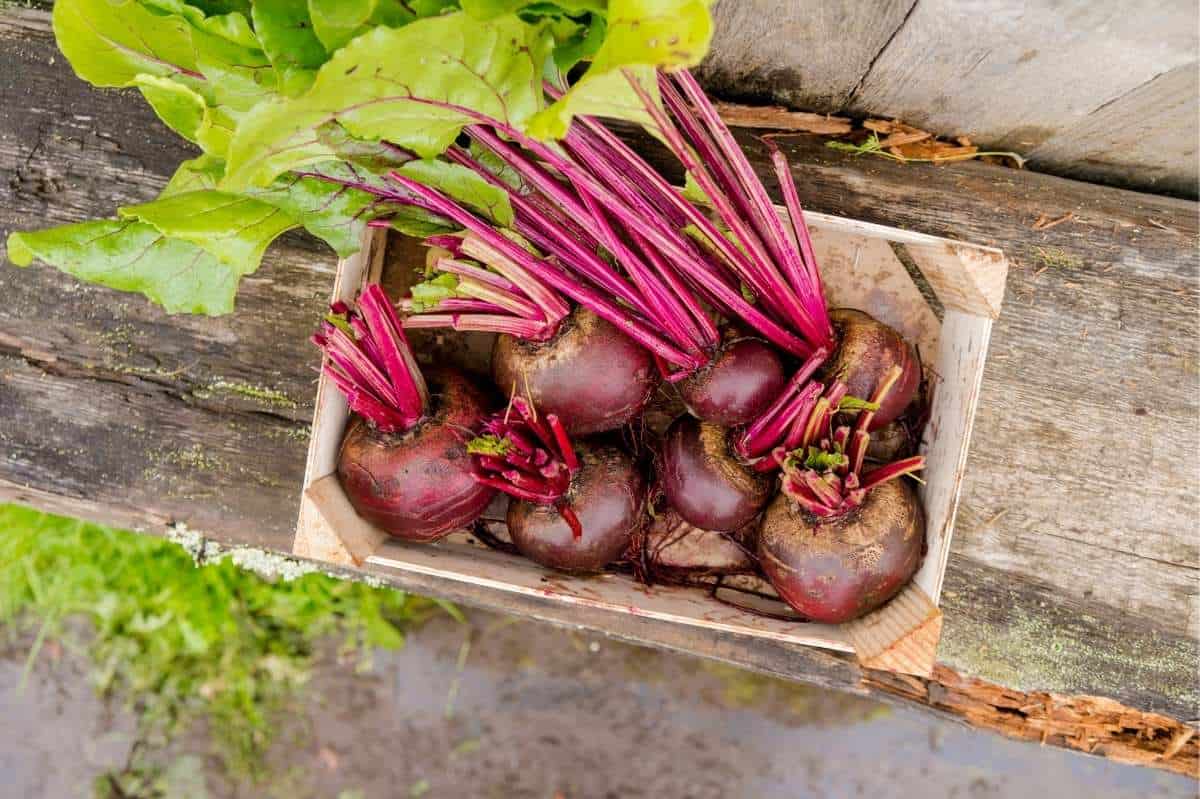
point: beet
(867, 350)
(417, 484)
(606, 495)
(835, 569)
(738, 385)
(705, 482)
(589, 374)
(672, 547)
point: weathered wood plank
(1013, 73)
(1077, 587)
(1135, 140)
(808, 55)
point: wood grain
(1096, 89)
(1012, 73)
(1134, 140)
(1074, 563)
(808, 54)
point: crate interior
(906, 280)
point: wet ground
(516, 709)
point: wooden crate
(941, 294)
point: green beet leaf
(286, 32)
(375, 156)
(640, 34)
(232, 25)
(333, 213)
(408, 85)
(238, 78)
(134, 256)
(195, 174)
(336, 22)
(185, 112)
(490, 9)
(463, 185)
(235, 229)
(607, 94)
(110, 44)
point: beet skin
(740, 383)
(839, 568)
(608, 496)
(705, 482)
(590, 374)
(867, 350)
(417, 485)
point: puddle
(541, 713)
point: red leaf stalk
(527, 457)
(370, 361)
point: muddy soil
(518, 710)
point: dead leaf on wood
(780, 118)
(903, 142)
(1044, 222)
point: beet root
(705, 482)
(607, 495)
(417, 485)
(589, 374)
(838, 568)
(673, 547)
(867, 350)
(737, 386)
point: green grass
(179, 643)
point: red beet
(589, 374)
(867, 350)
(403, 462)
(705, 482)
(835, 569)
(606, 495)
(742, 380)
(417, 484)
(840, 541)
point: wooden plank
(807, 54)
(1135, 140)
(1083, 585)
(1014, 73)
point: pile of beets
(610, 291)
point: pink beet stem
(552, 236)
(802, 271)
(759, 271)
(450, 305)
(802, 419)
(513, 490)
(773, 231)
(505, 299)
(680, 295)
(893, 470)
(402, 367)
(342, 351)
(481, 323)
(664, 306)
(565, 447)
(464, 269)
(434, 201)
(568, 514)
(881, 392)
(857, 453)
